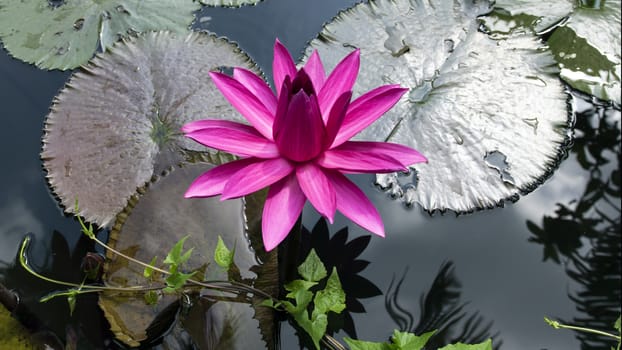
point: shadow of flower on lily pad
(117, 121)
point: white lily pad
(230, 3)
(66, 36)
(490, 115)
(587, 46)
(117, 121)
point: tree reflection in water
(441, 310)
(585, 233)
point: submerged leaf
(490, 115)
(117, 121)
(66, 36)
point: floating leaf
(155, 222)
(230, 3)
(587, 46)
(410, 341)
(332, 297)
(487, 345)
(490, 115)
(66, 36)
(399, 341)
(312, 269)
(117, 121)
(222, 255)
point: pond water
(555, 252)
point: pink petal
(353, 203)
(315, 69)
(256, 176)
(257, 87)
(212, 182)
(340, 80)
(245, 102)
(402, 154)
(239, 139)
(336, 116)
(367, 109)
(300, 132)
(318, 189)
(282, 65)
(359, 162)
(281, 211)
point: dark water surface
(502, 269)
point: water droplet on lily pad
(464, 102)
(81, 24)
(114, 126)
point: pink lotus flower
(297, 142)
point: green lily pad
(544, 13)
(66, 36)
(230, 3)
(587, 46)
(117, 121)
(155, 219)
(490, 115)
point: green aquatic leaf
(222, 255)
(315, 327)
(399, 341)
(176, 281)
(174, 256)
(312, 269)
(148, 271)
(331, 298)
(355, 344)
(297, 285)
(410, 341)
(117, 121)
(66, 36)
(490, 115)
(151, 297)
(487, 345)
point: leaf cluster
(302, 297)
(410, 341)
(175, 258)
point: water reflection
(441, 310)
(83, 328)
(584, 233)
